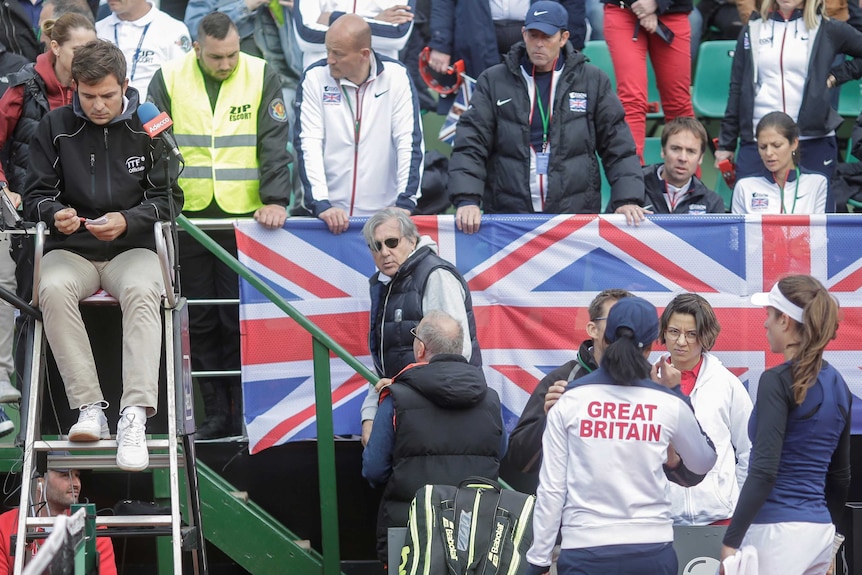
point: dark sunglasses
(390, 243)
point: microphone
(156, 124)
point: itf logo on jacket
(620, 420)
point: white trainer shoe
(8, 393)
(132, 454)
(92, 424)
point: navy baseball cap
(638, 315)
(546, 16)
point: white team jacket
(370, 137)
(602, 481)
(722, 406)
(759, 194)
(387, 39)
(147, 43)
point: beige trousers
(134, 278)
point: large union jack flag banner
(532, 278)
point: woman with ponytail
(610, 444)
(799, 469)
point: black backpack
(477, 528)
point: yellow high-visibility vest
(219, 147)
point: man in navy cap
(528, 142)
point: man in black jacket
(94, 180)
(672, 186)
(529, 140)
(438, 423)
(523, 458)
(17, 32)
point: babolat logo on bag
(475, 528)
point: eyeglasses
(599, 318)
(390, 243)
(413, 333)
(673, 335)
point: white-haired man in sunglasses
(412, 280)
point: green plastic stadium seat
(848, 156)
(652, 151)
(712, 78)
(600, 57)
(850, 100)
(722, 190)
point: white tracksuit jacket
(360, 147)
(602, 481)
(722, 406)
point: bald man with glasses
(411, 281)
(439, 391)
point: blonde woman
(783, 61)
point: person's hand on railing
(271, 215)
(381, 383)
(468, 218)
(336, 220)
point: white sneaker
(132, 454)
(8, 394)
(92, 424)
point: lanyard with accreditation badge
(795, 194)
(543, 157)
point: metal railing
(322, 345)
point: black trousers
(213, 329)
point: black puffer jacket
(34, 108)
(490, 163)
(524, 454)
(98, 169)
(448, 427)
(16, 31)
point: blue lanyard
(137, 50)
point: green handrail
(322, 344)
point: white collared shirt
(673, 195)
(147, 43)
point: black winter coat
(699, 200)
(490, 163)
(448, 427)
(98, 169)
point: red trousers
(671, 62)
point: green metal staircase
(242, 529)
